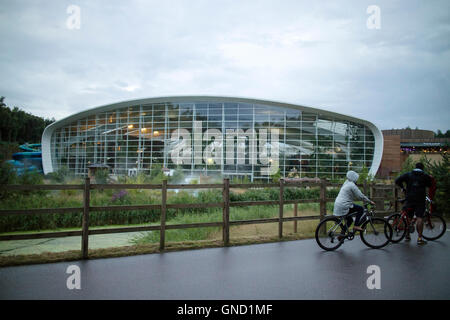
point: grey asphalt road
(286, 270)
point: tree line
(440, 134)
(18, 126)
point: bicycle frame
(434, 225)
(343, 219)
(411, 221)
(404, 215)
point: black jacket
(416, 181)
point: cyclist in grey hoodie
(344, 201)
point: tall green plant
(365, 176)
(7, 176)
(276, 176)
(178, 176)
(101, 176)
(441, 172)
(62, 175)
(407, 166)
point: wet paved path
(284, 270)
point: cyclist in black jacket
(416, 183)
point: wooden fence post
(85, 221)
(376, 195)
(226, 212)
(323, 201)
(295, 215)
(162, 234)
(280, 218)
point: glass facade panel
(214, 137)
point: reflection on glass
(149, 137)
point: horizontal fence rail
(164, 206)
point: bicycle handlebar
(366, 204)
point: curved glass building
(204, 135)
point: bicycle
(333, 231)
(434, 225)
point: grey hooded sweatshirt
(349, 192)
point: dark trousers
(359, 212)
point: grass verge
(188, 239)
(53, 257)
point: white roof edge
(127, 103)
(379, 145)
(47, 166)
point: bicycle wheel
(377, 233)
(327, 233)
(434, 227)
(399, 227)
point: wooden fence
(162, 227)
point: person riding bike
(344, 201)
(416, 182)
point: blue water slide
(27, 155)
(34, 147)
(29, 160)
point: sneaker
(421, 241)
(408, 237)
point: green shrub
(178, 176)
(407, 166)
(276, 176)
(101, 175)
(7, 176)
(365, 176)
(441, 172)
(62, 175)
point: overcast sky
(313, 53)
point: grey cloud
(318, 54)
